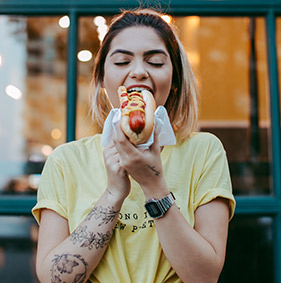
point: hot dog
(137, 114)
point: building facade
(47, 50)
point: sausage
(137, 119)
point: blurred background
(229, 55)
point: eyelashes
(156, 64)
(121, 63)
(125, 63)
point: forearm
(74, 259)
(193, 258)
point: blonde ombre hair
(182, 103)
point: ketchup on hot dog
(137, 108)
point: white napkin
(162, 122)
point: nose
(139, 71)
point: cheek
(164, 88)
(113, 76)
(111, 84)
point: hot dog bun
(147, 109)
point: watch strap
(166, 202)
(163, 204)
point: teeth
(137, 89)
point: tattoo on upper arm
(66, 265)
(90, 239)
(106, 214)
(152, 168)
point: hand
(144, 166)
(118, 183)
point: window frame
(270, 10)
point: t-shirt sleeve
(51, 190)
(214, 179)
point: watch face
(153, 209)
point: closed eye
(121, 63)
(155, 64)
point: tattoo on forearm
(106, 214)
(98, 240)
(89, 239)
(152, 168)
(66, 265)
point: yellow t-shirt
(74, 178)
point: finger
(113, 160)
(109, 149)
(155, 147)
(111, 155)
(122, 143)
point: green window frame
(249, 205)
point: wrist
(156, 190)
(116, 199)
(157, 208)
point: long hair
(182, 102)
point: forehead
(137, 39)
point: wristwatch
(156, 208)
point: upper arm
(53, 230)
(211, 222)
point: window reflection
(249, 255)
(18, 240)
(91, 33)
(33, 88)
(229, 58)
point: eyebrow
(146, 53)
(155, 51)
(123, 51)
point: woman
(93, 223)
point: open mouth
(139, 89)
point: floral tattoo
(90, 239)
(66, 265)
(106, 214)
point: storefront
(47, 51)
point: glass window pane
(249, 255)
(91, 32)
(229, 59)
(32, 101)
(18, 240)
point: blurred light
(13, 92)
(46, 150)
(101, 37)
(102, 34)
(36, 157)
(99, 21)
(1, 60)
(85, 55)
(34, 180)
(102, 29)
(56, 134)
(194, 21)
(64, 22)
(194, 58)
(167, 18)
